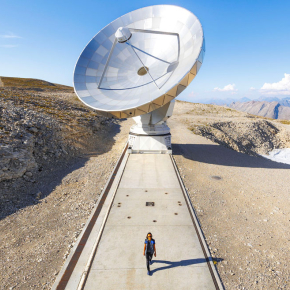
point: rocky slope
(257, 137)
(43, 126)
(239, 131)
(272, 110)
(56, 156)
(38, 126)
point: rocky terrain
(274, 110)
(31, 118)
(239, 131)
(256, 137)
(56, 155)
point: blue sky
(247, 42)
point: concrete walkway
(119, 262)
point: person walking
(149, 250)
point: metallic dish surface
(162, 51)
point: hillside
(55, 157)
(237, 130)
(32, 84)
(274, 110)
(40, 123)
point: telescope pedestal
(150, 139)
(151, 134)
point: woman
(149, 249)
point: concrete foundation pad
(133, 252)
(123, 223)
(166, 278)
(119, 262)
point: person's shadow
(181, 263)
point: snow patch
(279, 155)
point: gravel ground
(242, 203)
(37, 238)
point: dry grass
(52, 99)
(285, 122)
(33, 84)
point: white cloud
(252, 88)
(282, 87)
(10, 35)
(228, 88)
(8, 45)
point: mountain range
(228, 101)
(272, 110)
(271, 107)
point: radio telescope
(137, 65)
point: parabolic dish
(162, 53)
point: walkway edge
(61, 280)
(212, 268)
